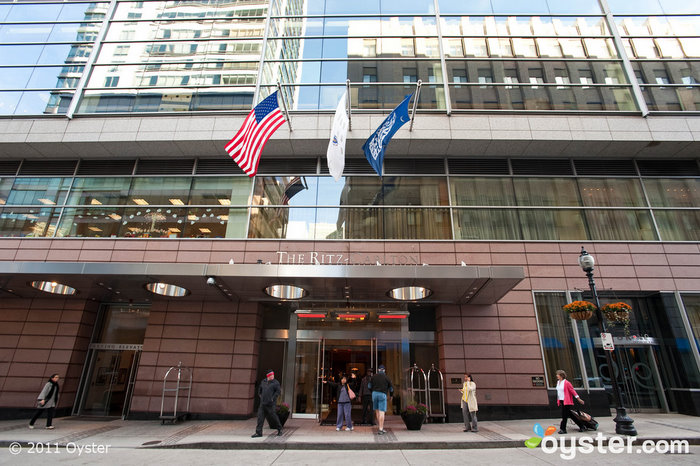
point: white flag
(335, 156)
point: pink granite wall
(219, 341)
(39, 337)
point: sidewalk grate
(491, 435)
(182, 433)
(388, 437)
(74, 437)
(286, 433)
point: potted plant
(414, 415)
(580, 310)
(618, 313)
(282, 412)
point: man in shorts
(380, 385)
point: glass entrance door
(110, 383)
(638, 378)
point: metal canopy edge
(367, 283)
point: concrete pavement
(107, 441)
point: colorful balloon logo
(540, 432)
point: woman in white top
(469, 404)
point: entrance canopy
(247, 282)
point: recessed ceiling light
(176, 201)
(410, 293)
(167, 289)
(140, 201)
(54, 287)
(285, 291)
(95, 202)
(224, 201)
(47, 201)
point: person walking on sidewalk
(268, 392)
(47, 401)
(469, 404)
(565, 399)
(366, 396)
(380, 385)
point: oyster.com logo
(540, 432)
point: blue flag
(375, 146)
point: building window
(557, 339)
(111, 81)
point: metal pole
(624, 425)
(415, 103)
(284, 105)
(349, 103)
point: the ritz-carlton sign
(340, 258)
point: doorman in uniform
(268, 392)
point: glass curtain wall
(43, 51)
(314, 206)
(182, 56)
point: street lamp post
(624, 425)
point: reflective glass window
(673, 192)
(98, 191)
(546, 192)
(25, 32)
(160, 190)
(282, 222)
(43, 102)
(34, 13)
(678, 225)
(152, 222)
(482, 191)
(15, 78)
(285, 190)
(557, 339)
(33, 191)
(611, 192)
(5, 186)
(29, 222)
(620, 225)
(422, 190)
(8, 102)
(220, 190)
(520, 7)
(90, 222)
(546, 224)
(583, 7)
(339, 7)
(416, 223)
(20, 54)
(618, 7)
(492, 224)
(459, 7)
(691, 302)
(214, 222)
(83, 11)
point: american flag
(248, 143)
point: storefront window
(673, 192)
(546, 192)
(5, 185)
(557, 338)
(95, 222)
(482, 191)
(678, 225)
(98, 191)
(691, 302)
(486, 224)
(39, 191)
(220, 191)
(614, 225)
(164, 190)
(608, 192)
(147, 222)
(545, 224)
(28, 222)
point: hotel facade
(131, 243)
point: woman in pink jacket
(565, 399)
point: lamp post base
(624, 425)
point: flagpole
(415, 104)
(349, 98)
(284, 106)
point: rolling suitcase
(585, 419)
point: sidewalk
(304, 434)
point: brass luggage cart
(436, 394)
(177, 383)
(417, 385)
